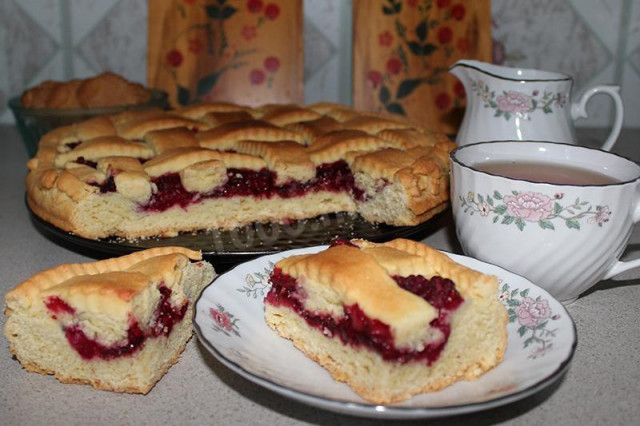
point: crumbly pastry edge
(483, 290)
(58, 274)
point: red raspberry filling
(335, 177)
(357, 329)
(165, 317)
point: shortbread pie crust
(115, 175)
(117, 324)
(362, 273)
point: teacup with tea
(558, 214)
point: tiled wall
(596, 41)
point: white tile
(631, 97)
(86, 14)
(603, 17)
(326, 14)
(633, 33)
(46, 13)
(118, 42)
(548, 35)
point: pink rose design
(374, 79)
(514, 102)
(257, 77)
(602, 216)
(272, 64)
(221, 319)
(385, 38)
(249, 32)
(532, 312)
(529, 206)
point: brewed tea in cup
(558, 214)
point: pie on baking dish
(117, 324)
(222, 166)
(390, 319)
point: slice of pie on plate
(392, 320)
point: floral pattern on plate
(541, 344)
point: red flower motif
(195, 45)
(385, 38)
(374, 79)
(394, 66)
(254, 6)
(249, 32)
(445, 35)
(458, 11)
(443, 3)
(443, 101)
(257, 77)
(221, 319)
(463, 44)
(458, 89)
(174, 58)
(272, 11)
(272, 64)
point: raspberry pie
(117, 324)
(222, 166)
(391, 320)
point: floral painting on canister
(243, 51)
(403, 50)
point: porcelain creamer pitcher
(524, 104)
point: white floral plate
(230, 323)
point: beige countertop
(602, 385)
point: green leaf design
(520, 224)
(545, 224)
(524, 293)
(406, 87)
(220, 13)
(421, 30)
(415, 47)
(489, 200)
(522, 330)
(428, 49)
(572, 224)
(557, 208)
(501, 209)
(384, 95)
(497, 195)
(495, 219)
(206, 83)
(396, 108)
(183, 96)
(508, 220)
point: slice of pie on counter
(117, 324)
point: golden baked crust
(76, 321)
(104, 90)
(362, 273)
(400, 170)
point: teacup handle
(620, 267)
(579, 110)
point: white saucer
(230, 323)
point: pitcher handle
(579, 110)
